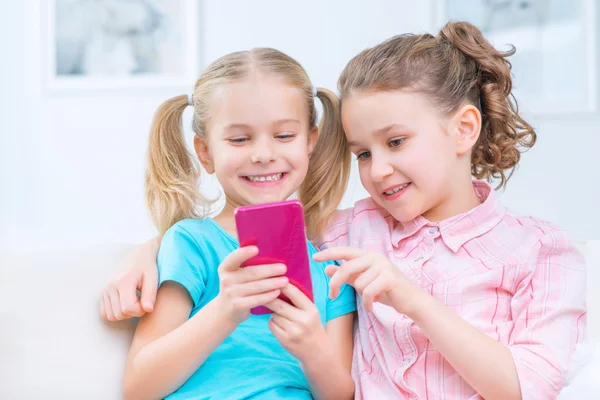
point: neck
(460, 199)
(226, 217)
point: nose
(380, 168)
(262, 153)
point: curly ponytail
(504, 132)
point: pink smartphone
(278, 230)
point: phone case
(279, 232)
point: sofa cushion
(53, 343)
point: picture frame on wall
(114, 44)
(554, 67)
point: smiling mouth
(395, 190)
(265, 178)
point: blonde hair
(458, 66)
(173, 172)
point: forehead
(257, 101)
(370, 112)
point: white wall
(71, 166)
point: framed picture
(112, 44)
(554, 68)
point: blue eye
(396, 142)
(238, 140)
(363, 156)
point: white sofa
(53, 344)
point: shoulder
(536, 238)
(364, 216)
(197, 229)
(192, 234)
(193, 227)
(528, 228)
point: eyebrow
(379, 132)
(275, 123)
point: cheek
(428, 162)
(220, 160)
(438, 161)
(365, 176)
(426, 172)
(298, 155)
(227, 159)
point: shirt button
(433, 229)
(406, 362)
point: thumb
(236, 258)
(149, 289)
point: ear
(467, 127)
(313, 136)
(203, 153)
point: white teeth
(269, 178)
(396, 190)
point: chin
(262, 198)
(404, 215)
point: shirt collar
(461, 228)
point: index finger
(284, 309)
(296, 296)
(338, 253)
(236, 258)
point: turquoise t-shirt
(250, 363)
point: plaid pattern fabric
(517, 279)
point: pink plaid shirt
(517, 279)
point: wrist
(317, 350)
(226, 315)
(414, 303)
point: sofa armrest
(52, 341)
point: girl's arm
(167, 347)
(549, 316)
(548, 311)
(119, 299)
(328, 368)
(486, 364)
(324, 353)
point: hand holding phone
(279, 233)
(297, 326)
(242, 289)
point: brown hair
(457, 67)
(173, 173)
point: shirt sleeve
(549, 314)
(338, 231)
(337, 234)
(180, 260)
(343, 304)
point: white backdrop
(71, 166)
